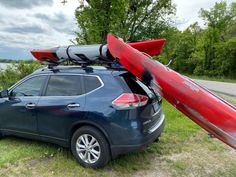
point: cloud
(188, 11)
(35, 24)
(27, 41)
(56, 18)
(25, 4)
(59, 22)
(25, 29)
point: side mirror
(4, 94)
(12, 94)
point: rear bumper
(144, 141)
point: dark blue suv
(96, 111)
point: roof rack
(110, 65)
(51, 66)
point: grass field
(183, 150)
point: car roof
(98, 70)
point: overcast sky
(34, 24)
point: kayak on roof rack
(92, 54)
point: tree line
(208, 50)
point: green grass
(220, 79)
(180, 143)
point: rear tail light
(130, 100)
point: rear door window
(64, 85)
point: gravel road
(222, 87)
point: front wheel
(90, 147)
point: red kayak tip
(45, 55)
(150, 47)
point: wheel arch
(80, 124)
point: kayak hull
(203, 107)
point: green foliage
(210, 51)
(185, 48)
(15, 61)
(129, 19)
(16, 72)
(7, 61)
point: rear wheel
(90, 147)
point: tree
(209, 51)
(220, 16)
(185, 47)
(203, 51)
(172, 36)
(130, 19)
(219, 21)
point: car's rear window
(91, 83)
(64, 85)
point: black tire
(103, 148)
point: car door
(17, 113)
(62, 104)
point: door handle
(73, 106)
(30, 106)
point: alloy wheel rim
(88, 148)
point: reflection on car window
(67, 85)
(31, 87)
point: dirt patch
(158, 168)
(23, 168)
(34, 162)
(200, 156)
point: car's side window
(30, 87)
(91, 83)
(64, 85)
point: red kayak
(206, 109)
